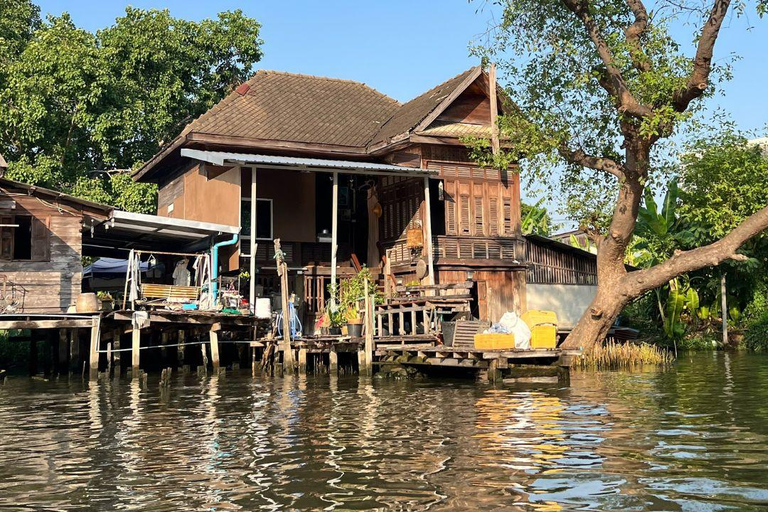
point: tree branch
(702, 61)
(632, 35)
(579, 157)
(706, 256)
(614, 81)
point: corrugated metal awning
(311, 164)
(126, 230)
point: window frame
(247, 200)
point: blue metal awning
(310, 164)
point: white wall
(567, 300)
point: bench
(170, 292)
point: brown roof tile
(299, 108)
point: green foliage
(75, 102)
(349, 295)
(722, 185)
(535, 219)
(756, 334)
(557, 79)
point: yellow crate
(543, 325)
(494, 341)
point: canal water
(693, 437)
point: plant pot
(355, 328)
(334, 331)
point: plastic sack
(512, 323)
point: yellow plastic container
(494, 341)
(543, 325)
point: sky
(405, 47)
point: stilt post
(369, 300)
(215, 347)
(285, 344)
(135, 349)
(95, 341)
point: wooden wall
(205, 193)
(293, 201)
(478, 201)
(498, 291)
(53, 283)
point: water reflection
(692, 438)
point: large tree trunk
(616, 287)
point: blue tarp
(111, 267)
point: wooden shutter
(465, 212)
(479, 215)
(6, 238)
(450, 208)
(493, 213)
(41, 239)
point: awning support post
(428, 234)
(252, 265)
(334, 235)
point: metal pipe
(215, 258)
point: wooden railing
(453, 248)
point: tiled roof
(298, 108)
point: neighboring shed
(560, 278)
(41, 247)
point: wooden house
(41, 247)
(342, 174)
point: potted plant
(335, 321)
(354, 322)
(106, 300)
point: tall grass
(612, 355)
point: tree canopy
(76, 103)
(599, 87)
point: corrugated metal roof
(222, 157)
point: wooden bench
(169, 292)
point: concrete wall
(568, 301)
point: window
(24, 238)
(263, 219)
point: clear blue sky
(404, 47)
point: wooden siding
(548, 265)
(401, 201)
(478, 201)
(53, 283)
(497, 291)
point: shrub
(611, 355)
(756, 334)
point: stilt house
(344, 175)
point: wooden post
(116, 355)
(428, 234)
(282, 272)
(62, 363)
(361, 363)
(303, 360)
(369, 300)
(333, 361)
(135, 348)
(94, 351)
(74, 350)
(334, 233)
(180, 350)
(215, 348)
(252, 262)
(495, 146)
(205, 356)
(724, 308)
